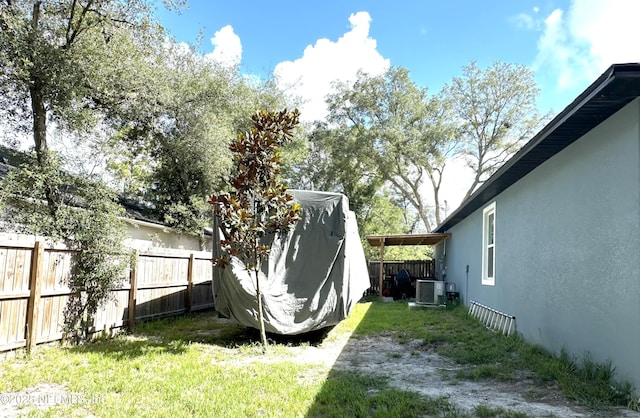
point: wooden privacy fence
(417, 269)
(33, 293)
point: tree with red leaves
(259, 207)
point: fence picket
(33, 292)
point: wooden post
(35, 282)
(381, 266)
(189, 295)
(133, 279)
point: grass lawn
(196, 365)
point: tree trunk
(39, 123)
(263, 334)
(38, 109)
(413, 197)
(258, 262)
(39, 113)
(436, 201)
(424, 217)
(476, 181)
(435, 183)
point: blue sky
(568, 43)
(308, 44)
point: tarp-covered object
(314, 275)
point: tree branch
(77, 28)
(70, 21)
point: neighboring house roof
(139, 211)
(618, 86)
(136, 210)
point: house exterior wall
(567, 248)
(145, 236)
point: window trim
(486, 213)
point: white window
(489, 245)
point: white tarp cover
(314, 276)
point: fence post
(35, 282)
(133, 279)
(189, 295)
(381, 267)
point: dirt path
(409, 367)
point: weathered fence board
(14, 267)
(13, 315)
(34, 293)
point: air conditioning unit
(428, 292)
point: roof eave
(500, 181)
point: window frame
(489, 248)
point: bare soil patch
(409, 367)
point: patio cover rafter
(406, 239)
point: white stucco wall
(145, 235)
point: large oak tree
(387, 128)
(71, 64)
(495, 109)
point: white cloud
(526, 21)
(578, 44)
(310, 76)
(227, 48)
(562, 53)
(523, 21)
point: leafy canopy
(259, 205)
(393, 130)
(496, 111)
